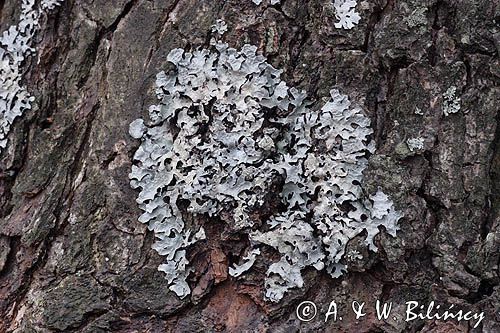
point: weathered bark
(73, 256)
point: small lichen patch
(220, 27)
(415, 144)
(226, 131)
(345, 12)
(354, 255)
(416, 18)
(451, 103)
(418, 111)
(15, 46)
(51, 4)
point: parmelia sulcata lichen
(219, 28)
(226, 134)
(451, 103)
(345, 12)
(15, 46)
(415, 144)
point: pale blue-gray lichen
(346, 14)
(415, 144)
(226, 127)
(451, 102)
(50, 4)
(219, 28)
(15, 46)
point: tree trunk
(73, 256)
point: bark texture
(74, 258)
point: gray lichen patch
(417, 17)
(50, 4)
(15, 46)
(226, 130)
(415, 144)
(451, 102)
(346, 14)
(220, 27)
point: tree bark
(74, 258)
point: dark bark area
(74, 258)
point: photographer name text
(308, 311)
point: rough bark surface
(74, 258)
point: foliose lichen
(345, 12)
(226, 134)
(415, 144)
(15, 46)
(354, 255)
(451, 102)
(50, 4)
(219, 28)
